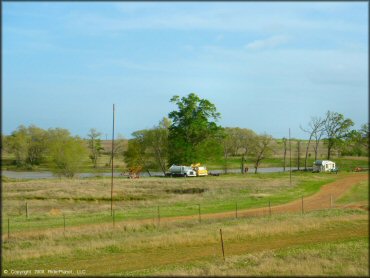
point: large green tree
(193, 132)
(357, 142)
(28, 144)
(336, 129)
(66, 152)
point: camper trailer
(324, 166)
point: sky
(266, 66)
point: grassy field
(326, 242)
(88, 200)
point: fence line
(50, 221)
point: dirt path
(319, 200)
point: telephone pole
(111, 188)
(290, 160)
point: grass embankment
(88, 200)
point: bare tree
(228, 147)
(94, 145)
(316, 131)
(239, 142)
(120, 146)
(157, 140)
(260, 149)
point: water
(49, 175)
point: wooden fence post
(236, 210)
(302, 205)
(26, 210)
(222, 245)
(8, 228)
(270, 208)
(199, 215)
(331, 201)
(64, 225)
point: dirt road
(323, 199)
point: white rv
(324, 166)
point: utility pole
(290, 160)
(111, 188)
(299, 153)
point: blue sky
(266, 66)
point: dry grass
(347, 258)
(93, 195)
(170, 235)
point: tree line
(188, 135)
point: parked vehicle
(182, 171)
(200, 170)
(324, 166)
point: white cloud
(270, 42)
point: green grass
(358, 193)
(286, 244)
(221, 194)
(348, 257)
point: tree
(149, 148)
(227, 148)
(94, 145)
(137, 154)
(28, 144)
(157, 141)
(17, 144)
(260, 149)
(119, 148)
(316, 131)
(336, 129)
(191, 128)
(241, 141)
(66, 152)
(37, 146)
(357, 141)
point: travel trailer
(324, 166)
